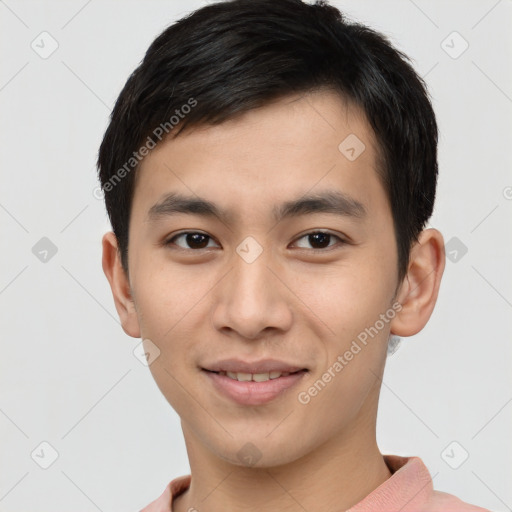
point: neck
(335, 476)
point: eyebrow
(328, 201)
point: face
(291, 259)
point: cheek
(174, 307)
(168, 303)
(166, 294)
(350, 301)
(348, 297)
(350, 305)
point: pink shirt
(409, 489)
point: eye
(319, 240)
(193, 240)
(196, 240)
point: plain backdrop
(69, 377)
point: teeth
(260, 377)
(256, 377)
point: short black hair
(230, 57)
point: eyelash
(171, 240)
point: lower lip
(253, 393)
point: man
(268, 171)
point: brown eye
(192, 240)
(318, 240)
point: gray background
(68, 373)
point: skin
(294, 302)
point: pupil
(321, 239)
(197, 240)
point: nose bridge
(251, 287)
(251, 278)
(250, 300)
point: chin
(257, 452)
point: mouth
(256, 377)
(246, 388)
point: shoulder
(442, 501)
(410, 489)
(164, 502)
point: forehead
(292, 146)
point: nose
(251, 300)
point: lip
(250, 392)
(261, 366)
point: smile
(253, 388)
(256, 377)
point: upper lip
(261, 366)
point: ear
(120, 285)
(420, 287)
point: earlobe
(120, 285)
(419, 290)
